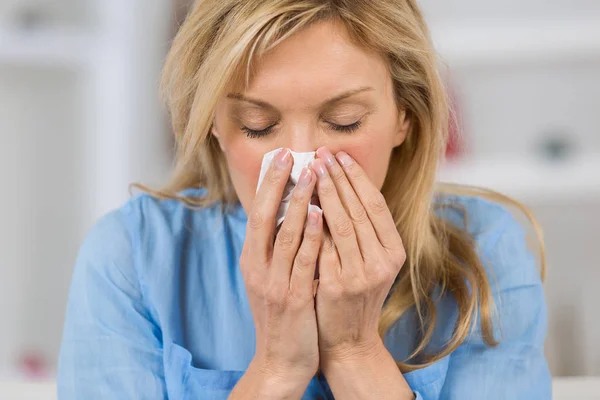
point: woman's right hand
(279, 274)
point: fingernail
(326, 155)
(283, 158)
(313, 218)
(320, 168)
(305, 177)
(344, 159)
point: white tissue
(301, 160)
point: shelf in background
(582, 388)
(44, 48)
(22, 390)
(529, 180)
(509, 42)
(576, 387)
(465, 44)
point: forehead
(318, 61)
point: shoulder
(145, 224)
(500, 238)
(518, 311)
(478, 216)
(149, 219)
(152, 215)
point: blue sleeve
(111, 348)
(516, 368)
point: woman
(190, 292)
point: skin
(334, 324)
(296, 78)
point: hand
(279, 272)
(358, 261)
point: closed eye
(251, 133)
(346, 128)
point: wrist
(356, 354)
(367, 371)
(278, 382)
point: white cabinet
(40, 118)
(80, 119)
(516, 109)
(527, 77)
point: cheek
(374, 158)
(372, 149)
(244, 164)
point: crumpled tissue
(301, 160)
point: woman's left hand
(358, 262)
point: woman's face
(314, 89)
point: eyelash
(340, 128)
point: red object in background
(455, 146)
(33, 365)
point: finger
(365, 233)
(303, 271)
(261, 220)
(330, 266)
(290, 234)
(374, 202)
(340, 225)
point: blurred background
(80, 119)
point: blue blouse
(158, 309)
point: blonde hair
(218, 43)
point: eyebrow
(326, 103)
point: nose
(305, 140)
(303, 143)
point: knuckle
(299, 298)
(335, 290)
(358, 213)
(397, 254)
(256, 220)
(377, 204)
(343, 226)
(312, 238)
(392, 273)
(384, 274)
(399, 258)
(275, 297)
(338, 174)
(304, 259)
(297, 199)
(327, 189)
(400, 248)
(274, 176)
(285, 237)
(358, 285)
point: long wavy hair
(219, 42)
